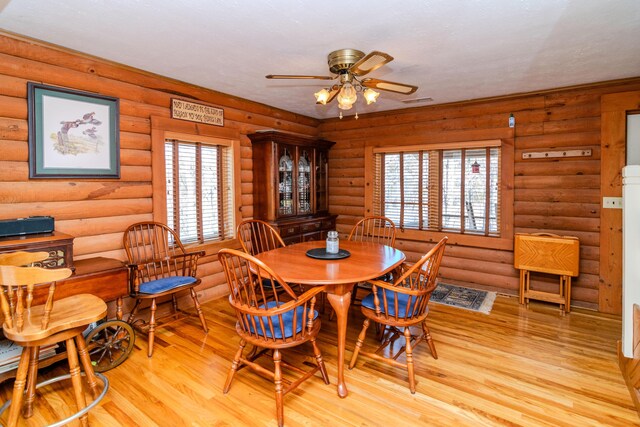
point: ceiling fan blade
(389, 86)
(370, 62)
(333, 93)
(289, 76)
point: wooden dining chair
(270, 321)
(400, 305)
(32, 327)
(376, 229)
(258, 236)
(159, 266)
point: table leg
(340, 304)
(522, 289)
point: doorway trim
(613, 134)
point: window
(448, 188)
(199, 188)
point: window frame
(163, 129)
(503, 241)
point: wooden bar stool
(34, 326)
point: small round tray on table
(321, 253)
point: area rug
(466, 298)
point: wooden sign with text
(185, 110)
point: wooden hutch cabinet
(291, 185)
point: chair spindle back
(19, 259)
(376, 229)
(19, 284)
(416, 285)
(257, 236)
(157, 251)
(262, 313)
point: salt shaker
(333, 243)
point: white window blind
(199, 186)
(451, 190)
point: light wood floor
(514, 367)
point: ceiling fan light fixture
(347, 96)
(370, 95)
(322, 96)
(349, 66)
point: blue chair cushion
(165, 284)
(403, 299)
(287, 320)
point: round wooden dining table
(367, 261)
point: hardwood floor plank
(514, 367)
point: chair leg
(76, 379)
(319, 361)
(196, 303)
(92, 380)
(174, 302)
(277, 379)
(409, 352)
(380, 330)
(152, 327)
(32, 375)
(427, 336)
(322, 300)
(18, 387)
(354, 293)
(356, 350)
(234, 365)
(134, 312)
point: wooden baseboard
(630, 369)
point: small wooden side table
(547, 253)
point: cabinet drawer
(293, 239)
(312, 236)
(312, 226)
(327, 224)
(289, 230)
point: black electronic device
(22, 226)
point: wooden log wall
(560, 196)
(97, 211)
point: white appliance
(631, 252)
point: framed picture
(72, 134)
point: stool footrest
(105, 387)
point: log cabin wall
(97, 211)
(560, 196)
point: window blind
(199, 190)
(439, 190)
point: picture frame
(72, 134)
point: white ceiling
(452, 49)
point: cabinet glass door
(285, 184)
(322, 181)
(304, 183)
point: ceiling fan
(349, 66)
